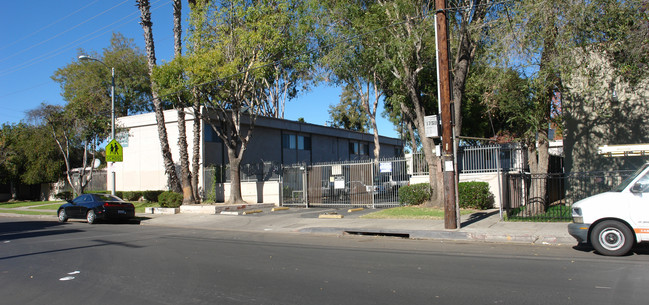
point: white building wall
(143, 167)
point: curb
(446, 235)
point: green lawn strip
(47, 207)
(6, 205)
(26, 212)
(412, 212)
(139, 206)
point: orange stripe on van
(642, 231)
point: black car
(93, 207)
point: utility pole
(448, 167)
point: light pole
(112, 113)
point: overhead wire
(61, 33)
(73, 44)
(358, 36)
(47, 26)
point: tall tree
(28, 155)
(238, 56)
(74, 129)
(349, 113)
(147, 27)
(356, 60)
(185, 172)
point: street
(44, 262)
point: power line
(73, 44)
(61, 33)
(47, 26)
(359, 36)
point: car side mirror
(638, 188)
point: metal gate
(350, 184)
(294, 185)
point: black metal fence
(548, 197)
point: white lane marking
(74, 272)
(67, 278)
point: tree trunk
(235, 177)
(196, 159)
(170, 167)
(186, 176)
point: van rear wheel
(612, 238)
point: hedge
(475, 195)
(170, 199)
(415, 194)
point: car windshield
(107, 198)
(628, 180)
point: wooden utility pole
(448, 168)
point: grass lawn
(26, 212)
(412, 212)
(6, 205)
(139, 206)
(54, 206)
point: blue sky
(41, 36)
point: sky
(41, 36)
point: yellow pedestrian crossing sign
(114, 152)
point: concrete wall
(257, 192)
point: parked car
(614, 221)
(94, 207)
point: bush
(151, 196)
(475, 195)
(415, 194)
(65, 195)
(170, 199)
(131, 196)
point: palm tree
(170, 168)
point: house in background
(275, 141)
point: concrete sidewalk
(483, 226)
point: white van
(616, 220)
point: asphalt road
(43, 262)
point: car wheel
(91, 217)
(62, 216)
(612, 238)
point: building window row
(356, 148)
(299, 142)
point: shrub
(132, 196)
(170, 199)
(475, 195)
(65, 195)
(415, 194)
(151, 196)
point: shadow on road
(639, 249)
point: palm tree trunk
(170, 167)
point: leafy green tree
(242, 55)
(90, 82)
(349, 113)
(356, 59)
(72, 133)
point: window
(303, 143)
(291, 141)
(288, 141)
(356, 148)
(210, 135)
